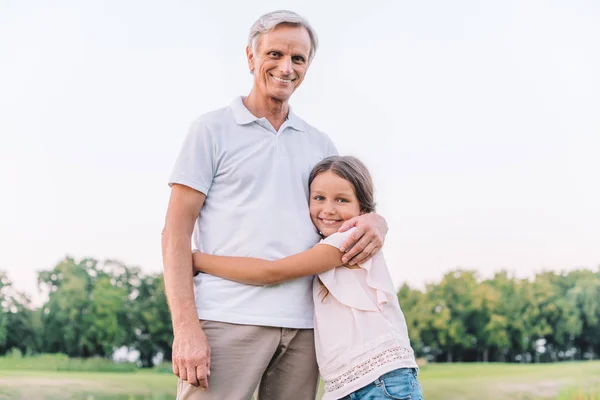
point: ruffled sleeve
(367, 288)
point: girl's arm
(256, 271)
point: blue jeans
(400, 384)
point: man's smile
(282, 80)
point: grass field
(565, 381)
(573, 381)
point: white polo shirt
(256, 185)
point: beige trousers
(280, 362)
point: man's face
(280, 61)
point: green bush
(163, 368)
(61, 362)
(14, 353)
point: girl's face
(332, 201)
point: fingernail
(344, 259)
(343, 249)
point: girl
(361, 339)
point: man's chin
(281, 95)
(283, 99)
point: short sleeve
(366, 289)
(337, 239)
(195, 165)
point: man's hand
(369, 237)
(191, 356)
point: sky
(479, 122)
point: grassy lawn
(53, 385)
(511, 381)
(565, 381)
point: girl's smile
(332, 202)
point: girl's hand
(368, 238)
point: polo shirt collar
(243, 116)
(294, 121)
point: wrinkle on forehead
(293, 38)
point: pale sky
(480, 122)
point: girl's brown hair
(354, 171)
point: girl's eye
(318, 198)
(342, 200)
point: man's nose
(285, 66)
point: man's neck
(275, 111)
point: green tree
(151, 320)
(417, 315)
(585, 293)
(86, 312)
(489, 323)
(558, 313)
(5, 286)
(453, 310)
(19, 323)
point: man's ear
(250, 56)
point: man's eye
(274, 54)
(298, 59)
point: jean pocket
(398, 386)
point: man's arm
(256, 271)
(191, 353)
(368, 237)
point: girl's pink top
(360, 330)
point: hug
(291, 283)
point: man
(240, 187)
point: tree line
(94, 308)
(551, 317)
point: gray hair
(270, 21)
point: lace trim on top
(362, 369)
(345, 360)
